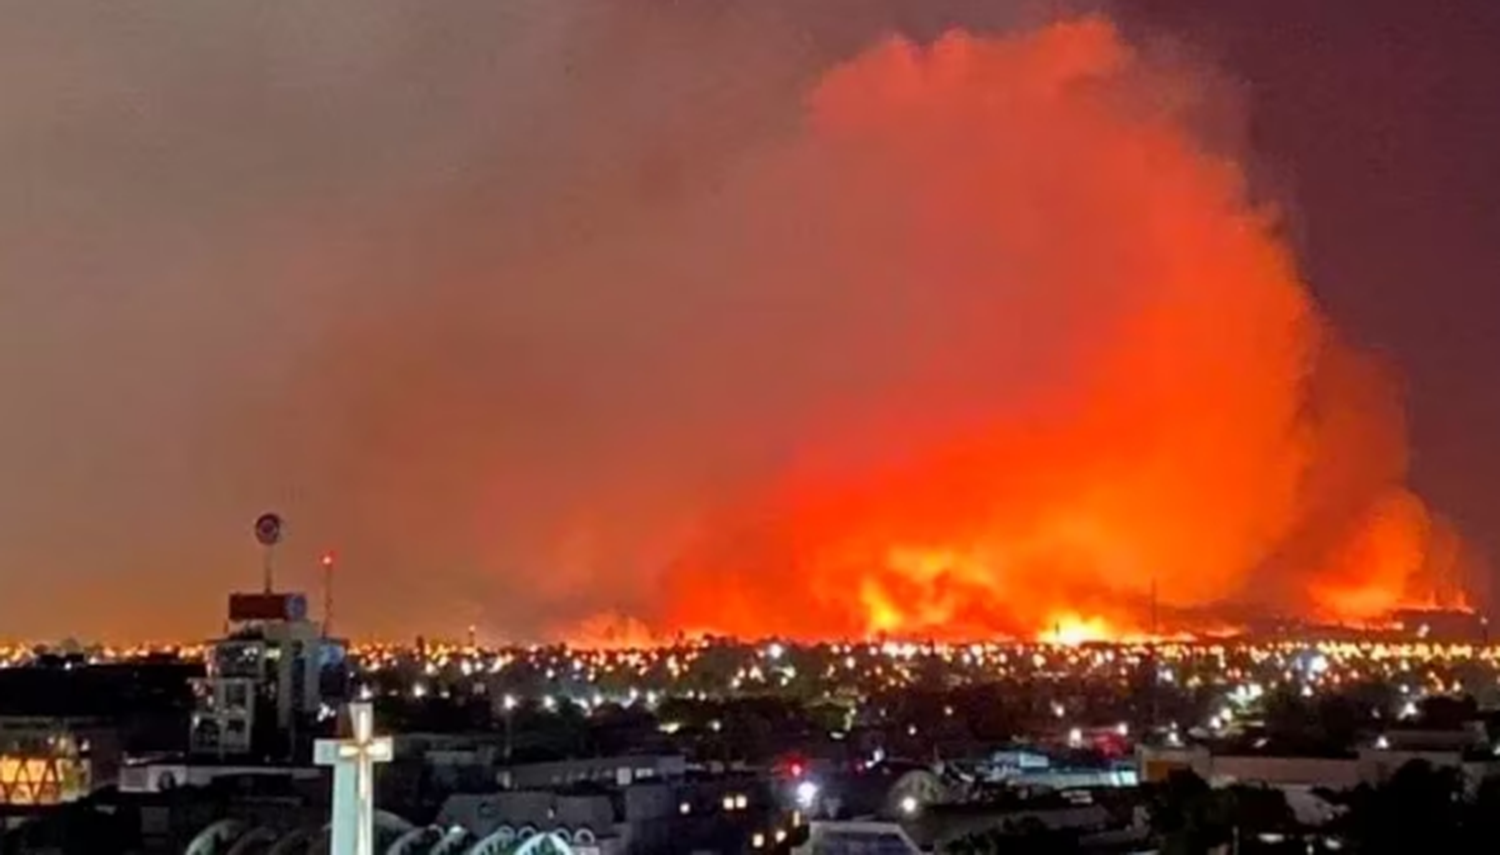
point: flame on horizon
(976, 338)
(1114, 387)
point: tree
(1257, 814)
(1420, 809)
(1440, 712)
(1483, 821)
(1338, 720)
(1189, 816)
(1288, 716)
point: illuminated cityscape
(723, 670)
(749, 427)
(778, 739)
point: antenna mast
(268, 534)
(327, 563)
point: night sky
(210, 213)
(1379, 127)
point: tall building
(271, 679)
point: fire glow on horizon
(1193, 422)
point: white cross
(353, 761)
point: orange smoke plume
(1105, 389)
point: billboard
(264, 607)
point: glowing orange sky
(1167, 407)
(741, 314)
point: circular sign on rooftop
(268, 529)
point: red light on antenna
(327, 559)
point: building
(167, 776)
(65, 729)
(620, 771)
(939, 827)
(1368, 765)
(685, 813)
(52, 761)
(854, 837)
(445, 762)
(268, 682)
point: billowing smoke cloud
(980, 340)
(749, 317)
(1103, 377)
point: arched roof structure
(394, 836)
(215, 837)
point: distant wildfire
(1113, 396)
(976, 337)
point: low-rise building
(619, 771)
(1368, 765)
(51, 761)
(688, 813)
(857, 837)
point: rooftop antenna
(1155, 663)
(268, 533)
(327, 562)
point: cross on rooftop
(353, 761)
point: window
(236, 696)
